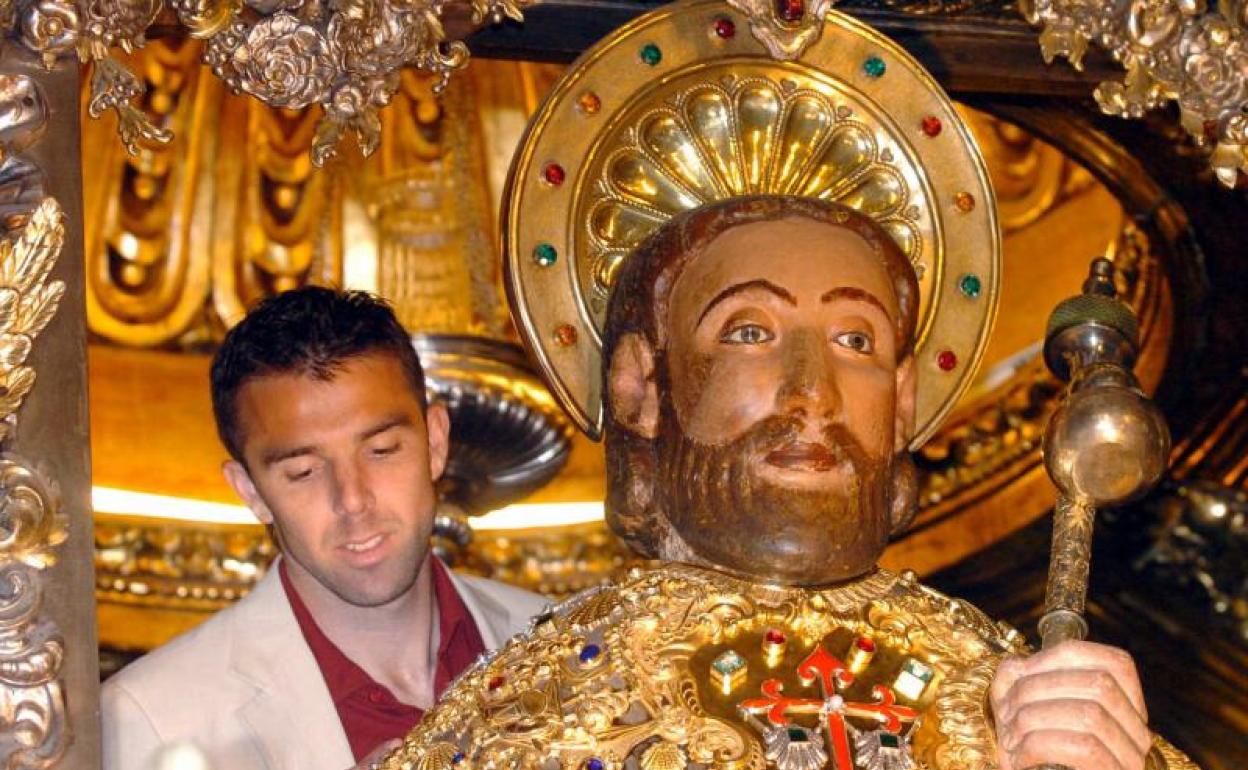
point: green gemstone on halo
(874, 67)
(970, 285)
(545, 255)
(651, 54)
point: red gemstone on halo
(554, 174)
(865, 644)
(931, 126)
(790, 10)
(725, 28)
(496, 682)
(947, 360)
(774, 637)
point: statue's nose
(809, 388)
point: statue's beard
(722, 513)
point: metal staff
(1106, 444)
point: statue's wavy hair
(639, 304)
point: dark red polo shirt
(369, 712)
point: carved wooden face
(786, 403)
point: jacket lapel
(292, 717)
(494, 621)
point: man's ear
(903, 419)
(245, 488)
(438, 428)
(633, 394)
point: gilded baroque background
(183, 237)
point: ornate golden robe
(679, 667)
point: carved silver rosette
(342, 54)
(1187, 51)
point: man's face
(784, 386)
(344, 469)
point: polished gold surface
(628, 671)
(712, 118)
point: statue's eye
(747, 334)
(860, 342)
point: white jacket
(244, 688)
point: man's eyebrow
(853, 294)
(737, 288)
(397, 421)
(278, 455)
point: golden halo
(682, 107)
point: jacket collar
(496, 622)
(292, 717)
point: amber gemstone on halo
(965, 202)
(589, 103)
(565, 335)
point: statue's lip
(804, 455)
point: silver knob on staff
(1106, 444)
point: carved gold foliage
(33, 725)
(28, 300)
(1184, 51)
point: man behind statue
(760, 398)
(320, 399)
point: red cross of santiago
(832, 675)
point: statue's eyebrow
(854, 294)
(737, 288)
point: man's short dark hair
(311, 331)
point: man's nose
(809, 388)
(352, 493)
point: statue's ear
(903, 420)
(633, 394)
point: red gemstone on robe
(496, 682)
(774, 637)
(865, 644)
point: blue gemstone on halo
(593, 763)
(589, 652)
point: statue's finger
(1094, 686)
(1074, 749)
